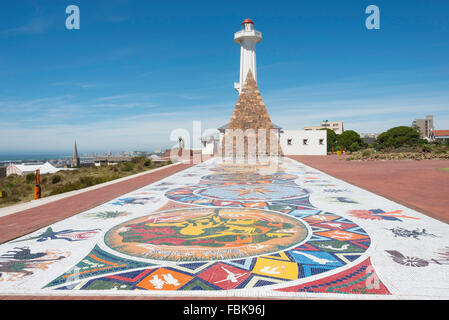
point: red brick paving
(128, 298)
(27, 221)
(419, 185)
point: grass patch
(17, 189)
(445, 169)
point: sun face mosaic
(206, 234)
(226, 227)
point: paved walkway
(417, 184)
(214, 230)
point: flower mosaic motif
(406, 260)
(131, 200)
(104, 215)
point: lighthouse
(247, 38)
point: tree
(331, 139)
(348, 139)
(397, 137)
(354, 147)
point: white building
(336, 126)
(303, 142)
(26, 168)
(210, 145)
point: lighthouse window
(289, 142)
(304, 141)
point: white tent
(25, 168)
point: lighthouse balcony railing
(253, 33)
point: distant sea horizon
(17, 156)
(12, 157)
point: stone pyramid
(250, 113)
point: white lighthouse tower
(247, 38)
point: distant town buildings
(336, 126)
(424, 126)
(439, 135)
(369, 138)
(111, 160)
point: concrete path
(282, 230)
(420, 185)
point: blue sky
(136, 70)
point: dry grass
(411, 153)
(19, 189)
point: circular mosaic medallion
(248, 177)
(239, 168)
(253, 192)
(206, 234)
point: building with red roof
(440, 134)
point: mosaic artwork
(206, 234)
(68, 235)
(250, 177)
(20, 262)
(276, 230)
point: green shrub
(397, 137)
(354, 147)
(331, 138)
(138, 159)
(86, 181)
(30, 178)
(56, 179)
(127, 166)
(350, 138)
(367, 153)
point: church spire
(75, 157)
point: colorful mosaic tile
(241, 228)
